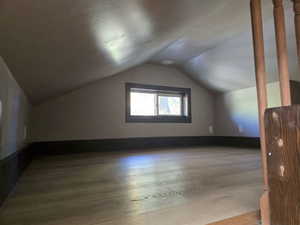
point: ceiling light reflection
(121, 32)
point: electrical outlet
(0, 111)
(241, 129)
(25, 132)
(211, 129)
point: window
(150, 103)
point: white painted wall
(236, 112)
(14, 113)
(97, 111)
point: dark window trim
(159, 118)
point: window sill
(158, 119)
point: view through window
(157, 103)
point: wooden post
(297, 26)
(282, 54)
(260, 72)
(283, 144)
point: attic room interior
(149, 112)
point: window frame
(184, 92)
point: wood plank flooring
(186, 186)
(251, 218)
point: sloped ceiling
(230, 65)
(54, 46)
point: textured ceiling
(54, 46)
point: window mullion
(182, 102)
(156, 104)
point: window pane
(169, 105)
(142, 104)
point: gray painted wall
(97, 111)
(230, 66)
(236, 112)
(14, 113)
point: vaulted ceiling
(54, 46)
(230, 65)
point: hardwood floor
(188, 186)
(251, 218)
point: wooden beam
(297, 26)
(282, 53)
(260, 72)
